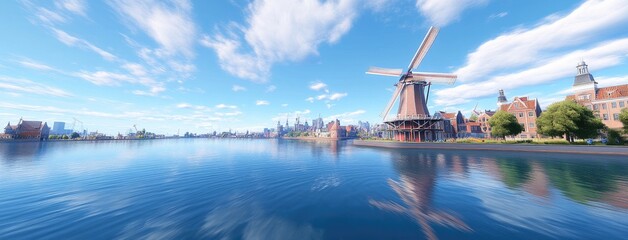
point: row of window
(621, 104)
(530, 114)
(605, 116)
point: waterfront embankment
(573, 149)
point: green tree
(623, 117)
(614, 137)
(474, 117)
(569, 119)
(75, 135)
(504, 124)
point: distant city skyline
(204, 66)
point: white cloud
(135, 69)
(347, 117)
(317, 86)
(78, 7)
(281, 30)
(524, 46)
(261, 102)
(337, 96)
(35, 65)
(332, 97)
(105, 78)
(70, 40)
(184, 105)
(28, 86)
(238, 88)
(442, 12)
(168, 24)
(271, 88)
(498, 15)
(603, 55)
(49, 17)
(284, 105)
(223, 106)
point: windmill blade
(423, 48)
(437, 78)
(385, 71)
(400, 87)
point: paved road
(579, 149)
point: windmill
(413, 120)
(411, 85)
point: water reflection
(588, 183)
(415, 189)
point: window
(603, 105)
(616, 116)
(530, 114)
(605, 116)
(531, 125)
(520, 115)
(523, 126)
(595, 107)
(621, 104)
(613, 105)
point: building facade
(526, 111)
(27, 130)
(606, 103)
(485, 126)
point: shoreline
(572, 149)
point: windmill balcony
(411, 117)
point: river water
(284, 189)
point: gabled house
(28, 130)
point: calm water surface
(279, 189)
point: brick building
(27, 130)
(606, 103)
(525, 110)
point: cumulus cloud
(603, 55)
(238, 88)
(442, 12)
(261, 102)
(223, 106)
(317, 86)
(527, 45)
(278, 31)
(169, 24)
(543, 53)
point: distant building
(474, 129)
(483, 119)
(458, 123)
(58, 128)
(27, 130)
(606, 103)
(526, 111)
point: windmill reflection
(415, 189)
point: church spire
(583, 77)
(501, 99)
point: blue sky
(201, 66)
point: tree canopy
(569, 119)
(623, 117)
(504, 124)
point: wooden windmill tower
(413, 121)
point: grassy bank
(508, 141)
